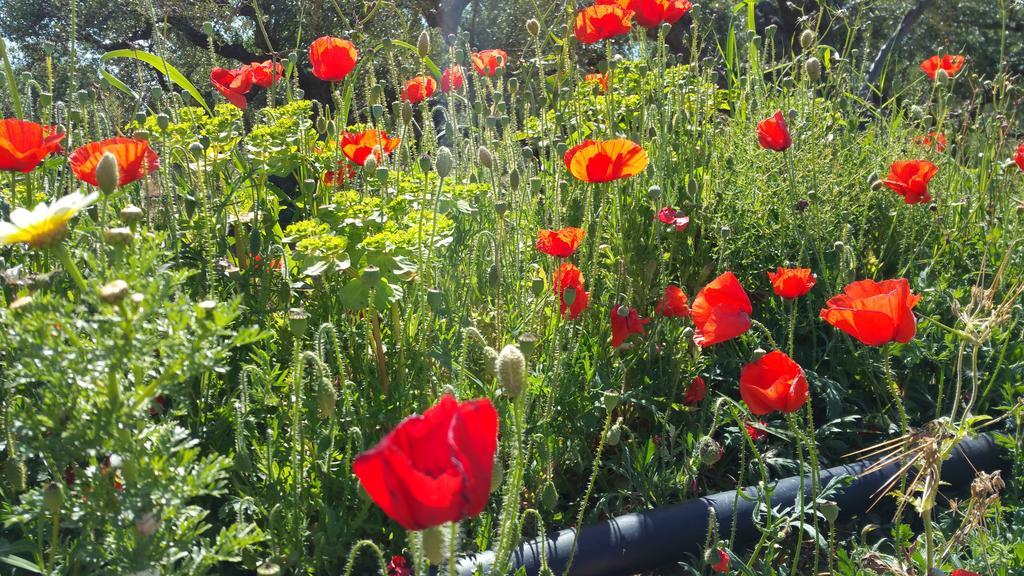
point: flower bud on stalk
(107, 173)
(423, 44)
(533, 27)
(443, 162)
(511, 368)
(485, 158)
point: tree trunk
(910, 19)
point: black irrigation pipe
(645, 541)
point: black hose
(645, 541)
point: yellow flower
(45, 225)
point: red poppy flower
(597, 78)
(344, 173)
(135, 159)
(433, 468)
(792, 282)
(756, 433)
(909, 178)
(602, 21)
(233, 84)
(948, 63)
(332, 58)
(936, 140)
(560, 243)
(695, 392)
(568, 285)
(24, 145)
(773, 383)
(625, 322)
(721, 311)
(875, 313)
(453, 79)
(487, 62)
(672, 217)
(358, 146)
(654, 13)
(962, 572)
(604, 161)
(722, 566)
(673, 303)
(773, 134)
(1018, 157)
(419, 89)
(399, 566)
(266, 73)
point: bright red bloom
(624, 325)
(453, 79)
(135, 159)
(604, 161)
(721, 311)
(560, 243)
(962, 572)
(399, 566)
(487, 62)
(672, 217)
(909, 178)
(601, 22)
(722, 566)
(773, 134)
(654, 13)
(266, 73)
(792, 282)
(433, 468)
(597, 78)
(344, 173)
(755, 432)
(569, 277)
(419, 89)
(875, 313)
(358, 146)
(24, 145)
(233, 84)
(695, 392)
(950, 64)
(673, 303)
(936, 140)
(332, 58)
(1018, 157)
(773, 383)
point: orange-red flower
(792, 282)
(24, 145)
(266, 73)
(1018, 157)
(607, 160)
(358, 146)
(419, 89)
(654, 13)
(560, 243)
(597, 78)
(773, 383)
(673, 303)
(773, 134)
(757, 432)
(487, 62)
(453, 79)
(233, 84)
(332, 58)
(721, 311)
(875, 313)
(568, 285)
(344, 173)
(936, 140)
(909, 178)
(672, 217)
(695, 392)
(626, 321)
(602, 21)
(962, 572)
(722, 566)
(951, 65)
(135, 159)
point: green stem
(70, 267)
(797, 435)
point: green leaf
(19, 562)
(163, 67)
(426, 61)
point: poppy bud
(709, 450)
(382, 175)
(653, 193)
(614, 434)
(332, 128)
(838, 246)
(195, 149)
(830, 510)
(623, 311)
(118, 236)
(326, 400)
(114, 292)
(758, 353)
(941, 77)
(484, 157)
(435, 300)
(533, 27)
(423, 44)
(527, 343)
(443, 162)
(725, 232)
(53, 497)
(569, 296)
(497, 475)
(298, 319)
(107, 173)
(549, 496)
(370, 166)
(16, 474)
(45, 99)
(268, 568)
(424, 163)
(537, 286)
(371, 275)
(877, 185)
(812, 67)
(163, 121)
(299, 93)
(377, 111)
(535, 185)
(501, 207)
(807, 39)
(406, 113)
(492, 275)
(511, 369)
(611, 400)
(490, 368)
(472, 333)
(208, 28)
(513, 179)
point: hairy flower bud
(114, 292)
(533, 27)
(812, 67)
(423, 44)
(107, 173)
(443, 162)
(511, 368)
(485, 158)
(435, 545)
(807, 39)
(709, 450)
